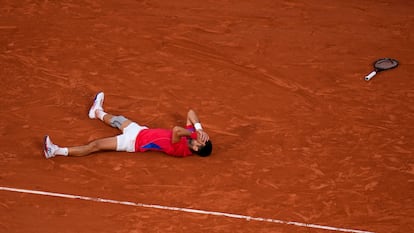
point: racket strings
(385, 64)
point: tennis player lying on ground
(178, 141)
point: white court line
(205, 212)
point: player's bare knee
(93, 146)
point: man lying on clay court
(178, 141)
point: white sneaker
(49, 148)
(97, 104)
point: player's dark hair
(205, 150)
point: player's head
(200, 149)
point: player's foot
(97, 104)
(49, 148)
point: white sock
(62, 151)
(100, 114)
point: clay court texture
(299, 136)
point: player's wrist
(198, 126)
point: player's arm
(179, 132)
(192, 119)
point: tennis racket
(381, 65)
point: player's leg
(97, 112)
(105, 144)
(122, 142)
(119, 122)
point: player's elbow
(177, 131)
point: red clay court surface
(298, 134)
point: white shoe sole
(97, 104)
(47, 148)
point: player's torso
(161, 140)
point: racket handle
(370, 76)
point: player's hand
(202, 137)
